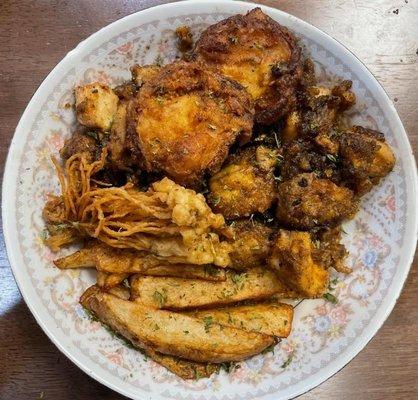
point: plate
(326, 336)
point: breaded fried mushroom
(245, 185)
(259, 53)
(292, 261)
(251, 244)
(305, 202)
(188, 117)
(366, 157)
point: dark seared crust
(306, 202)
(187, 118)
(231, 42)
(80, 142)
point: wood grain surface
(35, 36)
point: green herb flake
(186, 332)
(208, 321)
(160, 298)
(288, 361)
(332, 158)
(92, 134)
(159, 100)
(269, 349)
(211, 270)
(330, 297)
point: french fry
(107, 281)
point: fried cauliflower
(245, 185)
(366, 157)
(188, 117)
(305, 202)
(260, 54)
(292, 260)
(96, 105)
(251, 244)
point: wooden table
(35, 35)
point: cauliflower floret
(96, 105)
(366, 157)
(245, 185)
(291, 258)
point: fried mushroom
(188, 117)
(260, 54)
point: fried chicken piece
(305, 202)
(259, 53)
(366, 157)
(292, 260)
(96, 105)
(251, 244)
(188, 117)
(245, 185)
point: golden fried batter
(366, 157)
(259, 53)
(251, 244)
(245, 185)
(188, 118)
(306, 201)
(292, 260)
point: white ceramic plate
(381, 239)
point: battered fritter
(245, 185)
(187, 119)
(259, 53)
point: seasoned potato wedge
(116, 261)
(172, 333)
(183, 368)
(271, 319)
(107, 281)
(177, 293)
(96, 105)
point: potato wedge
(177, 293)
(172, 333)
(205, 272)
(185, 369)
(107, 281)
(271, 319)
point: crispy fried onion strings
(168, 220)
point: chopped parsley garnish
(160, 298)
(288, 361)
(330, 297)
(208, 321)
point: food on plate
(306, 201)
(261, 55)
(251, 244)
(270, 318)
(245, 184)
(208, 191)
(177, 293)
(293, 262)
(188, 117)
(173, 333)
(127, 262)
